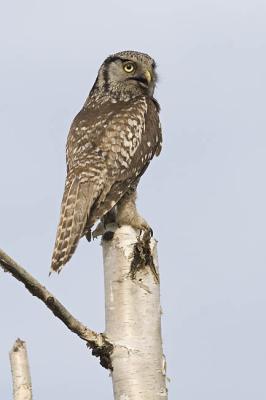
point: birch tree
(131, 345)
(20, 370)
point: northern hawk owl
(110, 144)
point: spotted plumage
(110, 144)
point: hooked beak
(148, 76)
(145, 79)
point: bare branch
(22, 389)
(100, 346)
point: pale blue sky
(205, 197)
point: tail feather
(76, 203)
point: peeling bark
(133, 316)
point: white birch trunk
(20, 371)
(133, 320)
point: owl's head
(128, 70)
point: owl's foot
(99, 230)
(102, 227)
(136, 221)
(127, 214)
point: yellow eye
(129, 67)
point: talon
(88, 236)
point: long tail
(77, 201)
